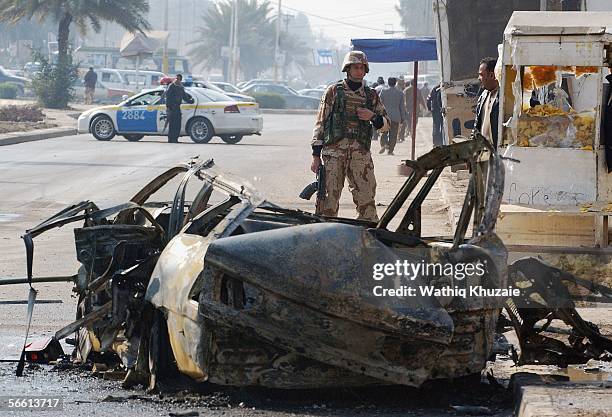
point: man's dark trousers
(174, 125)
(389, 139)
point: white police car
(211, 114)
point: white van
(111, 78)
(141, 81)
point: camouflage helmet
(355, 57)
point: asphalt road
(37, 179)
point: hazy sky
(360, 18)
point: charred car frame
(242, 292)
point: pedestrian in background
(408, 103)
(425, 90)
(380, 84)
(401, 133)
(90, 80)
(393, 100)
(434, 105)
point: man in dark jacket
(487, 109)
(90, 80)
(434, 105)
(175, 94)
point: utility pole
(277, 41)
(235, 58)
(179, 30)
(287, 17)
(165, 56)
(230, 53)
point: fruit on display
(545, 110)
(549, 126)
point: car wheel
(102, 128)
(200, 130)
(133, 137)
(231, 139)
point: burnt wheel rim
(103, 128)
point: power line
(335, 21)
(370, 14)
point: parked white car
(211, 114)
(112, 78)
(141, 80)
(239, 96)
(103, 93)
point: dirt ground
(8, 127)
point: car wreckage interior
(229, 288)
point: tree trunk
(62, 37)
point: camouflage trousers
(347, 158)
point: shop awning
(397, 50)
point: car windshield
(229, 88)
(111, 77)
(133, 79)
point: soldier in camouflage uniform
(348, 113)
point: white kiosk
(557, 199)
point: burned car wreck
(231, 289)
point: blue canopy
(397, 50)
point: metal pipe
(11, 281)
(414, 107)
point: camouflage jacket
(327, 104)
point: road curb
(31, 136)
(287, 111)
(554, 396)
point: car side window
(278, 89)
(265, 89)
(146, 99)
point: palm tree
(295, 51)
(255, 37)
(130, 14)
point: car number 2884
(133, 115)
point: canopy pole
(414, 107)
